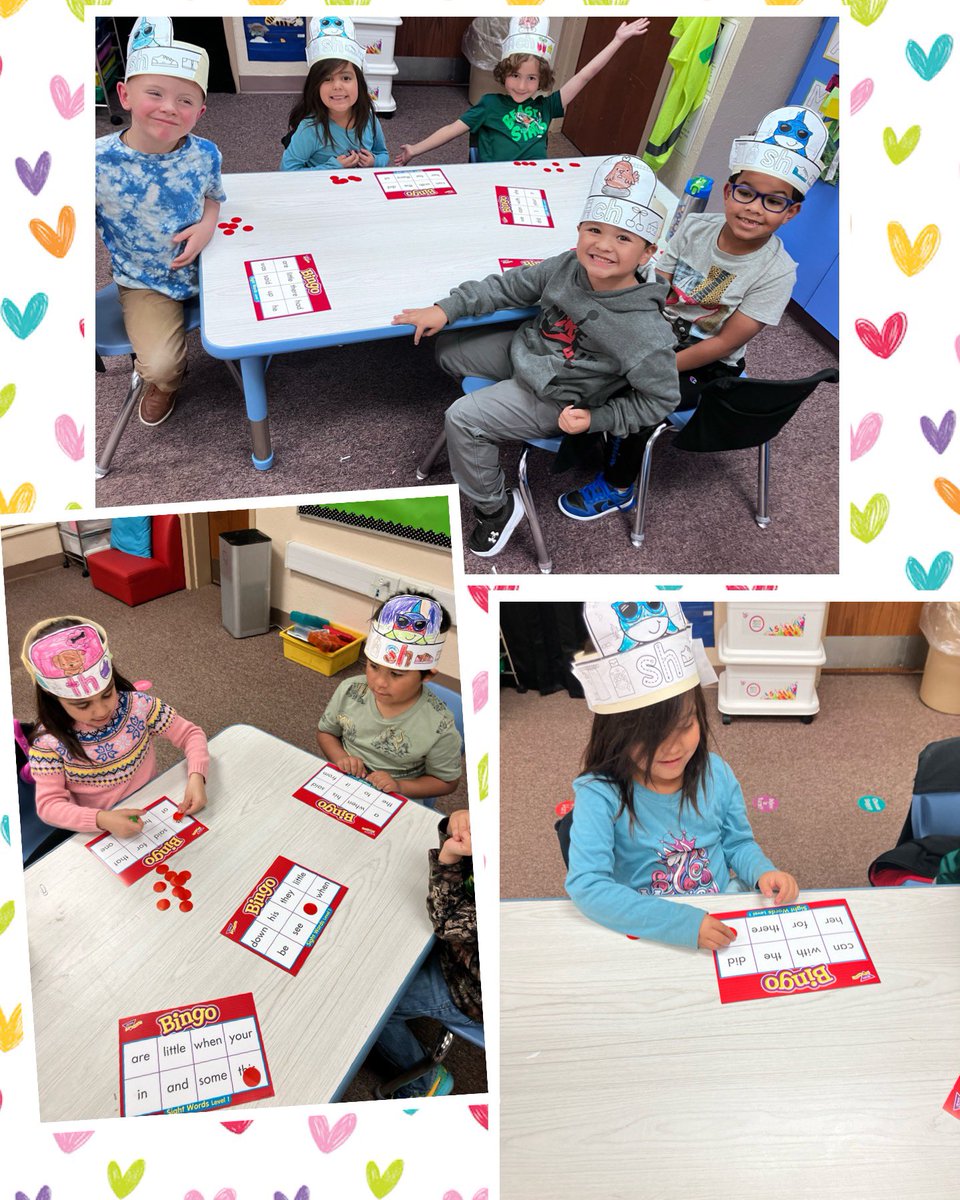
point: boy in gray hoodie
(599, 357)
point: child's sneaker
(491, 533)
(156, 406)
(596, 499)
(440, 1083)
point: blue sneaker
(439, 1083)
(596, 499)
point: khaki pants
(154, 325)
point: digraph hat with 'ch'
(644, 653)
(789, 145)
(333, 37)
(529, 34)
(152, 50)
(623, 193)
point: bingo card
(285, 287)
(402, 185)
(132, 858)
(283, 915)
(523, 206)
(507, 264)
(350, 800)
(798, 948)
(193, 1058)
(952, 1102)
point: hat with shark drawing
(405, 634)
(623, 194)
(151, 50)
(644, 653)
(789, 145)
(529, 34)
(333, 37)
(73, 662)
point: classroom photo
(729, 920)
(243, 808)
(585, 268)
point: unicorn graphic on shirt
(686, 869)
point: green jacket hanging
(690, 58)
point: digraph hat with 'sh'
(789, 145)
(73, 662)
(529, 34)
(151, 50)
(623, 194)
(405, 634)
(644, 653)
(333, 37)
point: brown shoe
(156, 406)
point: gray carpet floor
(700, 517)
(865, 740)
(200, 681)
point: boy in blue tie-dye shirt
(158, 199)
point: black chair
(734, 413)
(563, 827)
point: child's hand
(121, 822)
(383, 780)
(349, 764)
(458, 823)
(714, 935)
(426, 321)
(631, 29)
(194, 795)
(406, 153)
(350, 159)
(457, 846)
(779, 884)
(574, 420)
(364, 157)
(194, 238)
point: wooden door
(610, 114)
(428, 37)
(223, 522)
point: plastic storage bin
(380, 85)
(769, 690)
(378, 38)
(309, 656)
(770, 631)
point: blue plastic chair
(111, 339)
(454, 702)
(935, 805)
(472, 383)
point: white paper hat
(788, 145)
(529, 35)
(644, 654)
(73, 662)
(622, 194)
(333, 37)
(405, 634)
(151, 50)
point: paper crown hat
(151, 50)
(529, 35)
(405, 634)
(788, 145)
(73, 662)
(622, 194)
(333, 37)
(644, 653)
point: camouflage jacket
(453, 911)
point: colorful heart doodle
(864, 437)
(866, 525)
(883, 342)
(939, 436)
(930, 579)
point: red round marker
(574, 164)
(355, 178)
(248, 229)
(559, 170)
(228, 232)
(556, 164)
(250, 1076)
(159, 886)
(184, 876)
(223, 225)
(178, 815)
(310, 910)
(163, 904)
(181, 893)
(185, 906)
(162, 869)
(236, 220)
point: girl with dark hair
(92, 745)
(333, 125)
(656, 814)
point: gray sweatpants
(478, 423)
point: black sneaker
(491, 533)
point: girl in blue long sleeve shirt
(334, 125)
(657, 815)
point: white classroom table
(100, 951)
(624, 1078)
(374, 257)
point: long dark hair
(622, 745)
(311, 107)
(52, 717)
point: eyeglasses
(774, 202)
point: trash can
(940, 686)
(245, 582)
(482, 47)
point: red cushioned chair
(135, 580)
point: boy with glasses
(729, 276)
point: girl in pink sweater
(92, 746)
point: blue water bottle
(696, 193)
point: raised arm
(439, 138)
(573, 87)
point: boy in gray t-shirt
(729, 276)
